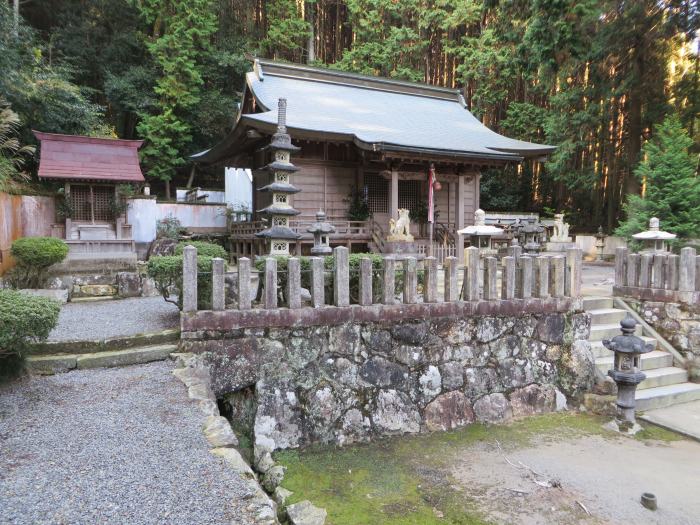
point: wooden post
(293, 283)
(341, 282)
(389, 280)
(508, 278)
(394, 202)
(459, 246)
(189, 279)
(244, 298)
(317, 282)
(410, 280)
(431, 280)
(490, 278)
(450, 267)
(218, 292)
(365, 281)
(471, 274)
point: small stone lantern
(599, 243)
(480, 234)
(530, 234)
(626, 373)
(655, 240)
(321, 231)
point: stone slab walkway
(119, 445)
(683, 418)
(93, 320)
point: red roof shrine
(74, 157)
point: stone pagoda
(278, 234)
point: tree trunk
(15, 22)
(311, 46)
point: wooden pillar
(459, 205)
(394, 203)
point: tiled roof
(74, 157)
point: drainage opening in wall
(239, 408)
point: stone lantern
(626, 373)
(530, 234)
(655, 240)
(480, 234)
(599, 243)
(321, 231)
(278, 234)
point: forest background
(594, 77)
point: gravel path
(100, 319)
(118, 446)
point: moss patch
(403, 480)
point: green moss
(402, 481)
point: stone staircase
(665, 384)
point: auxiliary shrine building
(363, 139)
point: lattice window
(409, 194)
(102, 200)
(281, 176)
(280, 198)
(80, 202)
(280, 247)
(377, 192)
(280, 221)
(282, 156)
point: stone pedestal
(559, 246)
(401, 249)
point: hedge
(207, 249)
(166, 271)
(24, 319)
(34, 255)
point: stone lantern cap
(480, 227)
(627, 343)
(321, 226)
(653, 233)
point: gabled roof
(376, 114)
(74, 157)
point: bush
(23, 319)
(169, 228)
(34, 255)
(166, 271)
(206, 249)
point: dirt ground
(599, 475)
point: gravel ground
(118, 446)
(100, 319)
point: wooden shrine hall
(363, 139)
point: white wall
(587, 244)
(143, 215)
(239, 188)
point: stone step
(601, 316)
(600, 351)
(102, 345)
(649, 361)
(52, 364)
(608, 331)
(597, 303)
(664, 396)
(668, 375)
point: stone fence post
(508, 278)
(542, 277)
(526, 278)
(574, 263)
(620, 266)
(687, 273)
(658, 274)
(410, 280)
(557, 276)
(389, 280)
(471, 274)
(293, 283)
(189, 279)
(490, 278)
(365, 281)
(218, 292)
(244, 298)
(672, 272)
(450, 267)
(318, 288)
(341, 282)
(431, 280)
(270, 283)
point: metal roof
(75, 157)
(377, 114)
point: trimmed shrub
(206, 249)
(166, 271)
(24, 319)
(34, 255)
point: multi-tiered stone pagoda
(279, 235)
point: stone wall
(678, 323)
(354, 378)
